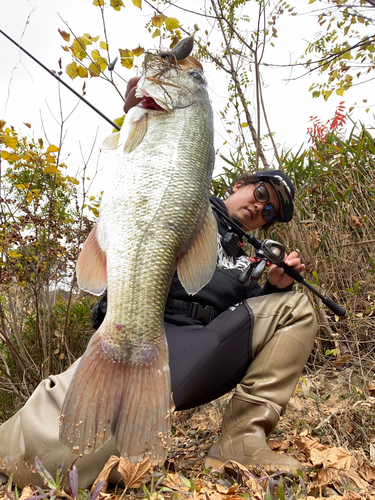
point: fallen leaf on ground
(27, 492)
(107, 470)
(134, 475)
(336, 458)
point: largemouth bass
(156, 217)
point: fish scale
(156, 216)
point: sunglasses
(261, 195)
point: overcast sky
(30, 94)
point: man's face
(244, 209)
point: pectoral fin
(91, 266)
(112, 141)
(137, 128)
(196, 265)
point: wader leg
(34, 431)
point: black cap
(284, 189)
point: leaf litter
(329, 428)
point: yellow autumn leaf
(82, 72)
(52, 148)
(78, 47)
(138, 3)
(10, 142)
(156, 33)
(29, 197)
(119, 121)
(50, 159)
(98, 3)
(51, 169)
(127, 58)
(171, 23)
(72, 70)
(94, 70)
(23, 186)
(93, 38)
(72, 180)
(244, 124)
(95, 54)
(36, 192)
(157, 20)
(138, 51)
(99, 65)
(103, 45)
(13, 157)
(117, 4)
(14, 254)
(28, 125)
(340, 91)
(65, 35)
(347, 55)
(2, 124)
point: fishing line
(61, 81)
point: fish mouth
(149, 103)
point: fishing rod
(61, 81)
(274, 253)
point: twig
(357, 243)
(324, 422)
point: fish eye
(198, 77)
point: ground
(329, 427)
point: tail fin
(130, 401)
